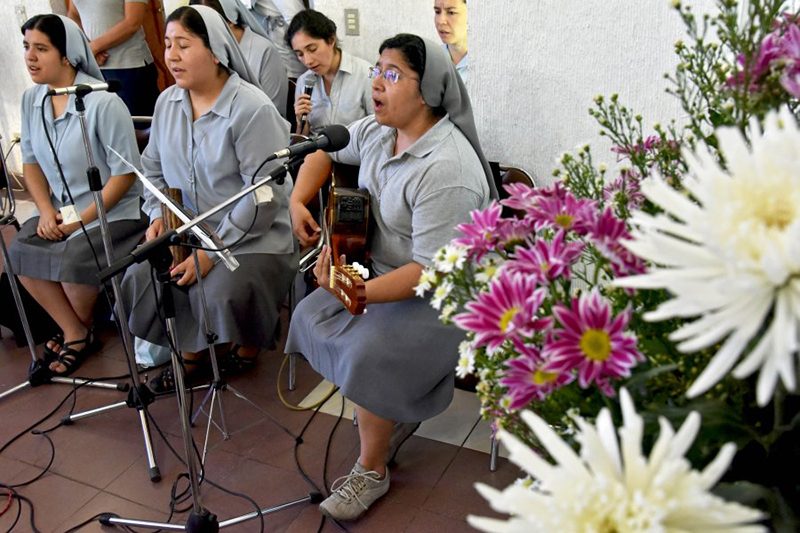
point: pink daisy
(524, 198)
(607, 235)
(546, 261)
(525, 379)
(567, 212)
(507, 311)
(592, 341)
(625, 190)
(481, 236)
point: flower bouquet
(675, 275)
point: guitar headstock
(347, 281)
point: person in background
(274, 16)
(53, 258)
(450, 17)
(263, 58)
(117, 40)
(340, 81)
(211, 132)
(421, 162)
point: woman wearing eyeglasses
(423, 167)
(338, 81)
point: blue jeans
(139, 88)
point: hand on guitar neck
(344, 281)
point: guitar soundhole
(350, 209)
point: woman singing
(424, 170)
(210, 133)
(341, 89)
(53, 257)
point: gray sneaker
(354, 493)
(400, 433)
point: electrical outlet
(21, 13)
(351, 23)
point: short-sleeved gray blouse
(107, 122)
(212, 158)
(266, 63)
(419, 196)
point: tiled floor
(100, 466)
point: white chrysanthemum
(611, 485)
(450, 258)
(441, 292)
(466, 359)
(730, 254)
(426, 280)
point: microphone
(308, 89)
(331, 139)
(83, 89)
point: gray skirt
(71, 260)
(243, 305)
(397, 360)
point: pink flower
(546, 261)
(524, 198)
(648, 144)
(515, 231)
(625, 190)
(506, 311)
(592, 341)
(566, 212)
(481, 236)
(525, 379)
(607, 235)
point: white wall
(379, 20)
(536, 65)
(15, 77)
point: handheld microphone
(82, 89)
(308, 89)
(331, 139)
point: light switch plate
(351, 22)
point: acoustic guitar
(345, 229)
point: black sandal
(70, 358)
(164, 382)
(50, 354)
(232, 364)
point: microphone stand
(156, 251)
(139, 396)
(38, 372)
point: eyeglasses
(389, 74)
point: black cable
(104, 288)
(20, 499)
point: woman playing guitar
(424, 170)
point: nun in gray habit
(262, 56)
(210, 158)
(48, 249)
(397, 360)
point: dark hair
(315, 24)
(190, 19)
(52, 26)
(411, 46)
(213, 4)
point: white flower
(466, 359)
(447, 312)
(426, 280)
(611, 485)
(441, 292)
(730, 254)
(450, 258)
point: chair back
(142, 130)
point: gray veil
(79, 53)
(238, 14)
(441, 86)
(224, 45)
